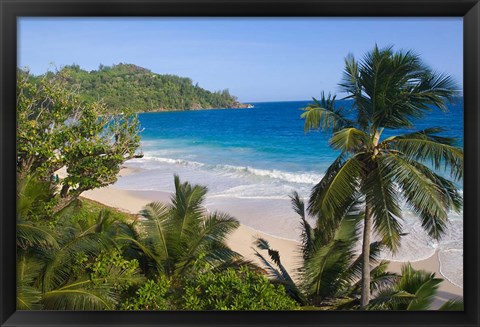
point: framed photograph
(239, 163)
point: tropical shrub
(56, 129)
(231, 289)
(150, 296)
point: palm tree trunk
(367, 230)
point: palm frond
(274, 255)
(424, 295)
(28, 296)
(434, 89)
(323, 269)
(389, 298)
(425, 145)
(353, 274)
(339, 190)
(349, 140)
(187, 207)
(352, 85)
(422, 195)
(79, 299)
(32, 194)
(278, 274)
(316, 197)
(179, 237)
(421, 284)
(217, 225)
(452, 305)
(451, 195)
(308, 234)
(59, 267)
(381, 278)
(148, 250)
(381, 198)
(394, 88)
(157, 215)
(273, 272)
(208, 242)
(324, 115)
(31, 235)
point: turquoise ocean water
(263, 154)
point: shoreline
(245, 106)
(133, 201)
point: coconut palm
(389, 90)
(176, 237)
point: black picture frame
(468, 9)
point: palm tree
(177, 237)
(389, 91)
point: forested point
(129, 86)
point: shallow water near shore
(251, 160)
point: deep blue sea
(263, 153)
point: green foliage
(111, 267)
(235, 290)
(128, 86)
(56, 128)
(150, 296)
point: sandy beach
(242, 239)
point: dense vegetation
(128, 86)
(92, 258)
(75, 254)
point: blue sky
(257, 59)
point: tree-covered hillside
(129, 86)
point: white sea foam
(148, 162)
(299, 177)
(451, 265)
(257, 191)
(172, 161)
